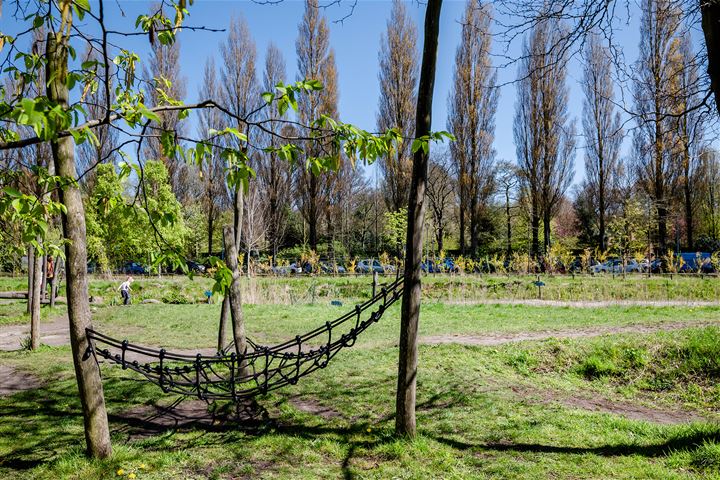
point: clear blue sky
(356, 42)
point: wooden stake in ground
(410, 312)
(87, 371)
(235, 300)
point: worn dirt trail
(491, 339)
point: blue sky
(356, 42)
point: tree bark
(710, 10)
(87, 371)
(35, 300)
(31, 272)
(410, 313)
(235, 300)
(509, 223)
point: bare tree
(440, 194)
(396, 108)
(215, 197)
(543, 136)
(105, 150)
(710, 193)
(688, 133)
(316, 61)
(471, 118)
(274, 174)
(507, 181)
(163, 79)
(239, 93)
(602, 130)
(655, 168)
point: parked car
(428, 266)
(449, 266)
(133, 268)
(286, 269)
(329, 267)
(369, 266)
(613, 265)
(695, 262)
(633, 266)
(196, 267)
(484, 267)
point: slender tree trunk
(410, 312)
(224, 314)
(36, 299)
(87, 371)
(601, 207)
(31, 276)
(687, 191)
(509, 224)
(547, 218)
(59, 265)
(461, 217)
(535, 228)
(211, 227)
(43, 277)
(235, 296)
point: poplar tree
(472, 103)
(602, 130)
(654, 166)
(315, 61)
(396, 107)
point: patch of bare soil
(310, 405)
(14, 381)
(587, 332)
(632, 411)
(144, 421)
(52, 333)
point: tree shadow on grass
(687, 439)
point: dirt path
(15, 381)
(600, 404)
(589, 303)
(491, 339)
(54, 332)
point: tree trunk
(535, 227)
(59, 265)
(31, 274)
(224, 314)
(35, 300)
(509, 224)
(461, 218)
(547, 218)
(87, 371)
(410, 312)
(710, 10)
(235, 296)
(211, 226)
(601, 206)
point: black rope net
(227, 376)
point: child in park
(125, 290)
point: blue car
(133, 268)
(429, 266)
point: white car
(610, 266)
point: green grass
(481, 412)
(449, 289)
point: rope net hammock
(261, 369)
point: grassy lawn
(517, 410)
(294, 290)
